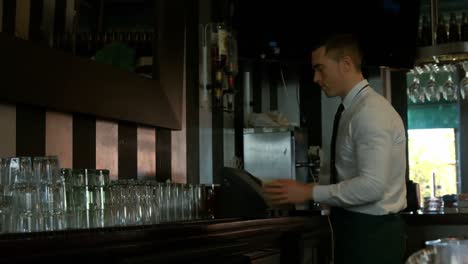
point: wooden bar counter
(271, 240)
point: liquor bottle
(426, 34)
(454, 34)
(219, 60)
(441, 31)
(218, 89)
(232, 68)
(464, 27)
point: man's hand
(288, 191)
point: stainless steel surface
(107, 152)
(8, 131)
(59, 137)
(146, 152)
(269, 155)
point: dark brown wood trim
(435, 219)
(163, 155)
(60, 16)
(192, 93)
(61, 81)
(35, 21)
(30, 131)
(9, 15)
(84, 142)
(128, 148)
(170, 47)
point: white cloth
(370, 156)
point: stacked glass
(33, 196)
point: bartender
(367, 162)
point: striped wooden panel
(69, 15)
(59, 137)
(127, 151)
(48, 15)
(146, 153)
(30, 131)
(35, 21)
(107, 147)
(8, 131)
(79, 140)
(163, 155)
(23, 10)
(84, 142)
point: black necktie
(336, 122)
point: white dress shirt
(370, 156)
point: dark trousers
(362, 238)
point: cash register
(240, 195)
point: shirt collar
(352, 94)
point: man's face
(327, 73)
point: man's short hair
(339, 45)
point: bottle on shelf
(464, 27)
(426, 34)
(219, 53)
(442, 31)
(454, 34)
(232, 67)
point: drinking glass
(26, 207)
(414, 87)
(5, 196)
(464, 81)
(450, 88)
(52, 193)
(432, 89)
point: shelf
(443, 52)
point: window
(432, 155)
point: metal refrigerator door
(269, 155)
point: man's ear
(347, 63)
